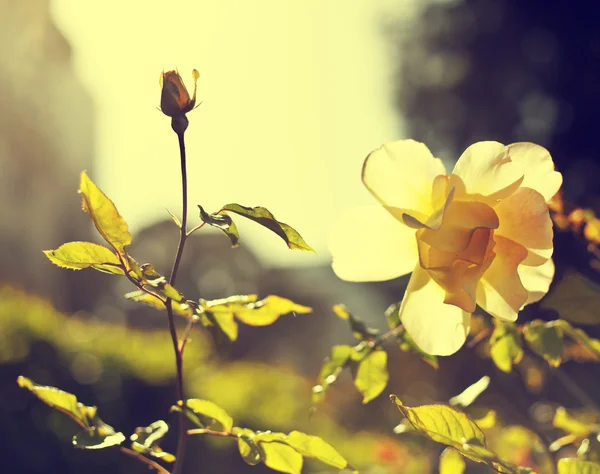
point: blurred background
(294, 95)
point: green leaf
(80, 255)
(506, 347)
(98, 438)
(159, 283)
(449, 426)
(223, 222)
(576, 466)
(186, 309)
(315, 447)
(62, 401)
(145, 440)
(279, 456)
(575, 298)
(359, 329)
(485, 418)
(545, 339)
(406, 342)
(96, 434)
(470, 394)
(451, 462)
(248, 449)
(111, 226)
(330, 370)
(371, 375)
(246, 309)
(205, 414)
(263, 217)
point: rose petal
(538, 168)
(500, 291)
(437, 328)
(400, 175)
(367, 244)
(524, 218)
(460, 279)
(486, 172)
(460, 220)
(537, 280)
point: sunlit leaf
(160, 284)
(263, 217)
(98, 438)
(576, 466)
(185, 309)
(248, 449)
(277, 454)
(205, 414)
(246, 309)
(453, 428)
(576, 299)
(96, 434)
(331, 368)
(175, 219)
(470, 394)
(63, 401)
(406, 342)
(111, 226)
(451, 462)
(145, 440)
(371, 375)
(80, 255)
(222, 222)
(570, 424)
(506, 347)
(315, 447)
(485, 418)
(545, 339)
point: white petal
(486, 169)
(536, 280)
(368, 244)
(538, 167)
(436, 327)
(401, 175)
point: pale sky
(295, 95)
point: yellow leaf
(111, 226)
(451, 462)
(80, 255)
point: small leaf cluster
(366, 360)
(279, 451)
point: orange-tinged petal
(524, 218)
(400, 175)
(436, 327)
(459, 279)
(486, 172)
(538, 168)
(537, 280)
(367, 244)
(500, 291)
(459, 221)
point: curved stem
(177, 469)
(151, 464)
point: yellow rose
(175, 100)
(482, 235)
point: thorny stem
(178, 468)
(140, 457)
